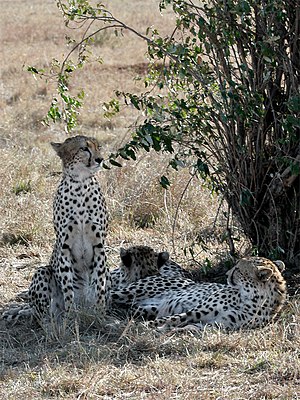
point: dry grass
(129, 361)
(122, 360)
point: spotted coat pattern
(77, 274)
(254, 293)
(138, 262)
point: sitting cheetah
(77, 273)
(254, 293)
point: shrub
(222, 95)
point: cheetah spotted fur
(78, 273)
(137, 262)
(255, 292)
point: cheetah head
(257, 272)
(140, 261)
(80, 156)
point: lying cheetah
(254, 293)
(77, 273)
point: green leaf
(33, 70)
(164, 182)
(115, 163)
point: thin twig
(177, 210)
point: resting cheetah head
(257, 273)
(80, 156)
(140, 261)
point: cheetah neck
(267, 299)
(77, 175)
(78, 181)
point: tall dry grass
(120, 360)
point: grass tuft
(22, 187)
(21, 238)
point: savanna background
(123, 359)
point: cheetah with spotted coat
(77, 275)
(254, 294)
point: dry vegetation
(113, 360)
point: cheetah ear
(163, 257)
(264, 274)
(56, 147)
(125, 257)
(280, 265)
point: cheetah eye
(85, 149)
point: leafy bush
(222, 95)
